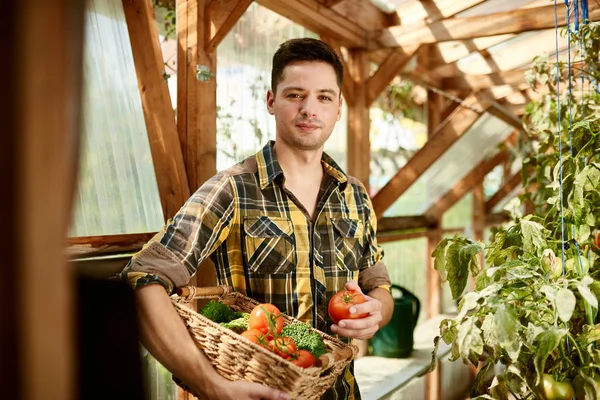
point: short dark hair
(304, 49)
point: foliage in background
(534, 308)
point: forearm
(166, 337)
(387, 304)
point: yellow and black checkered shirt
(264, 244)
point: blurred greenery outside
(117, 191)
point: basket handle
(328, 359)
(210, 292)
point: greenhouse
(168, 144)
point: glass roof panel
(479, 142)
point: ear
(339, 115)
(270, 102)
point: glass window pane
(117, 191)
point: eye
(326, 98)
(293, 96)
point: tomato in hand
(303, 358)
(283, 346)
(342, 301)
(266, 318)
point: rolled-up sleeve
(172, 257)
(373, 272)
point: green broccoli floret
(219, 312)
(238, 325)
(304, 338)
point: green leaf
(498, 388)
(439, 254)
(482, 281)
(458, 273)
(448, 330)
(477, 386)
(531, 333)
(565, 304)
(587, 295)
(489, 331)
(467, 303)
(469, 339)
(533, 239)
(545, 343)
(590, 219)
(433, 363)
(583, 232)
(507, 330)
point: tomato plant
(303, 358)
(267, 319)
(550, 389)
(342, 301)
(527, 313)
(283, 346)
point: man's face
(307, 105)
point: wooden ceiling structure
(426, 41)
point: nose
(307, 108)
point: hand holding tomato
(355, 315)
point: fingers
(355, 333)
(262, 392)
(351, 285)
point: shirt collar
(269, 168)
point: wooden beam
(362, 12)
(394, 237)
(496, 219)
(196, 106)
(446, 134)
(221, 16)
(512, 183)
(498, 111)
(91, 246)
(348, 83)
(39, 163)
(395, 224)
(515, 21)
(387, 70)
(510, 56)
(167, 157)
(359, 144)
(484, 81)
(449, 52)
(320, 19)
(424, 11)
(465, 185)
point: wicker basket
(236, 358)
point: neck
(299, 165)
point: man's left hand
(363, 328)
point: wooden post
(359, 145)
(38, 168)
(433, 380)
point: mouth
(307, 127)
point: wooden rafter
(424, 11)
(387, 225)
(221, 16)
(166, 151)
(507, 188)
(498, 111)
(516, 21)
(320, 19)
(387, 70)
(510, 56)
(446, 134)
(465, 185)
(484, 81)
(449, 52)
(362, 12)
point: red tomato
(342, 301)
(266, 318)
(303, 358)
(597, 240)
(283, 346)
(253, 335)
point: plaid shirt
(264, 244)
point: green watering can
(395, 340)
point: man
(285, 226)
